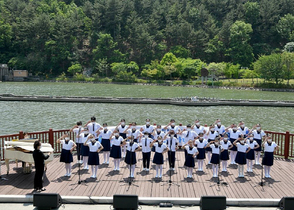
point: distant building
(20, 75)
(4, 72)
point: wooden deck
(109, 182)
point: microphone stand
(261, 183)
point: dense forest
(130, 38)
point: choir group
(217, 143)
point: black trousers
(146, 159)
(79, 150)
(171, 159)
(38, 180)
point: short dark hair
(36, 144)
(122, 120)
(79, 123)
(189, 126)
(93, 118)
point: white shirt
(191, 151)
(84, 137)
(122, 129)
(206, 132)
(162, 134)
(116, 141)
(212, 135)
(77, 132)
(171, 143)
(258, 135)
(215, 150)
(105, 135)
(161, 148)
(136, 134)
(242, 148)
(251, 144)
(245, 131)
(191, 135)
(220, 129)
(95, 147)
(93, 127)
(175, 129)
(226, 145)
(147, 129)
(145, 143)
(270, 148)
(201, 145)
(198, 130)
(133, 147)
(67, 146)
(234, 135)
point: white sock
(257, 157)
(66, 168)
(117, 163)
(93, 170)
(225, 164)
(250, 163)
(85, 160)
(213, 170)
(69, 168)
(239, 170)
(160, 169)
(208, 156)
(157, 168)
(107, 154)
(188, 172)
(133, 170)
(242, 170)
(234, 156)
(114, 162)
(104, 156)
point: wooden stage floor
(109, 183)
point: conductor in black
(39, 159)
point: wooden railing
(284, 140)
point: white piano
(23, 150)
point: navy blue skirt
(66, 156)
(259, 143)
(190, 161)
(93, 158)
(201, 154)
(268, 159)
(106, 144)
(158, 158)
(234, 148)
(115, 151)
(136, 140)
(224, 155)
(123, 135)
(241, 158)
(214, 159)
(130, 158)
(85, 150)
(208, 148)
(250, 155)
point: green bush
(62, 77)
(177, 82)
(90, 79)
(79, 77)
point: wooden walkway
(109, 182)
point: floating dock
(187, 101)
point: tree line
(154, 39)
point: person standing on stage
(148, 128)
(200, 143)
(105, 134)
(224, 157)
(215, 158)
(39, 159)
(146, 150)
(250, 155)
(242, 150)
(93, 127)
(243, 129)
(158, 132)
(188, 134)
(234, 134)
(197, 127)
(115, 153)
(270, 148)
(160, 149)
(85, 149)
(122, 128)
(77, 130)
(66, 154)
(190, 157)
(172, 144)
(131, 160)
(133, 131)
(219, 127)
(258, 136)
(94, 148)
(211, 135)
(172, 126)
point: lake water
(37, 116)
